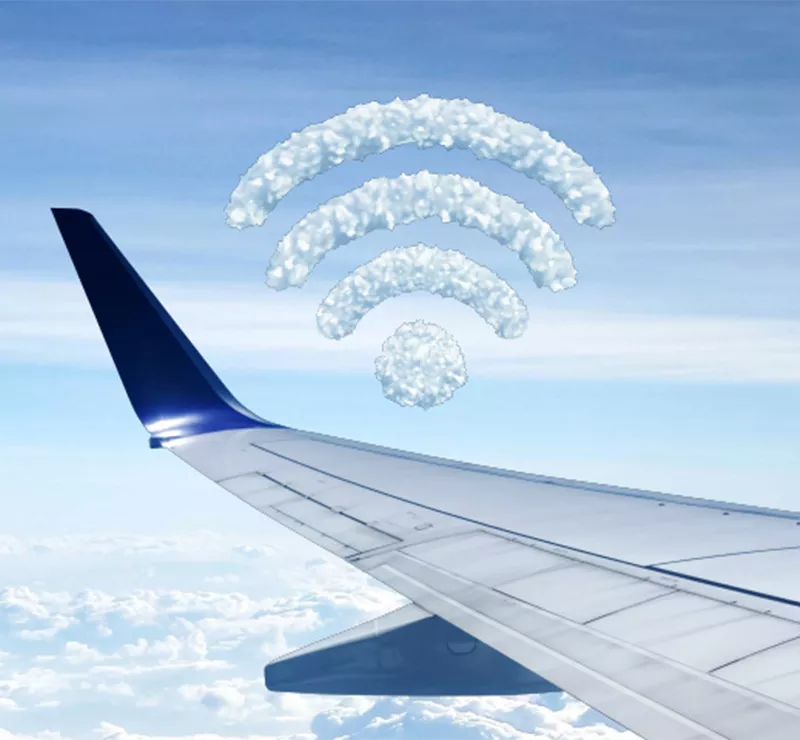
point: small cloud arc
(421, 365)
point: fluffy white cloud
(109, 731)
(78, 653)
(254, 551)
(228, 578)
(115, 689)
(205, 545)
(197, 646)
(17, 686)
(495, 718)
(226, 697)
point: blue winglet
(171, 387)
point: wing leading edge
(677, 617)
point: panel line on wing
(301, 529)
(666, 498)
(405, 544)
(726, 586)
(755, 652)
(607, 558)
(304, 525)
(725, 555)
(630, 606)
(452, 515)
(329, 508)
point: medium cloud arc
(384, 203)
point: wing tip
(171, 387)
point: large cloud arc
(372, 128)
(383, 203)
(447, 273)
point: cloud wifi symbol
(421, 365)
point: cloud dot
(421, 365)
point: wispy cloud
(251, 329)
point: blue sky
(673, 364)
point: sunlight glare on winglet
(169, 425)
(177, 441)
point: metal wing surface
(677, 617)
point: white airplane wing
(677, 617)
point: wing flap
(652, 695)
(583, 593)
(774, 672)
(700, 631)
(485, 557)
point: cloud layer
(384, 203)
(164, 653)
(373, 127)
(158, 646)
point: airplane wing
(677, 617)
